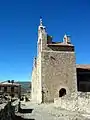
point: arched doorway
(62, 92)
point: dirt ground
(31, 111)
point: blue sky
(19, 20)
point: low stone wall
(7, 110)
(79, 102)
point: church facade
(55, 72)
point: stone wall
(53, 70)
(36, 82)
(58, 70)
(79, 102)
(39, 81)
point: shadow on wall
(83, 80)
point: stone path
(49, 112)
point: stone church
(55, 72)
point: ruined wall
(80, 102)
(58, 70)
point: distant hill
(25, 86)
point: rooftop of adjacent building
(9, 83)
(83, 66)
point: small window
(5, 89)
(12, 89)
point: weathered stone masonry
(54, 69)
